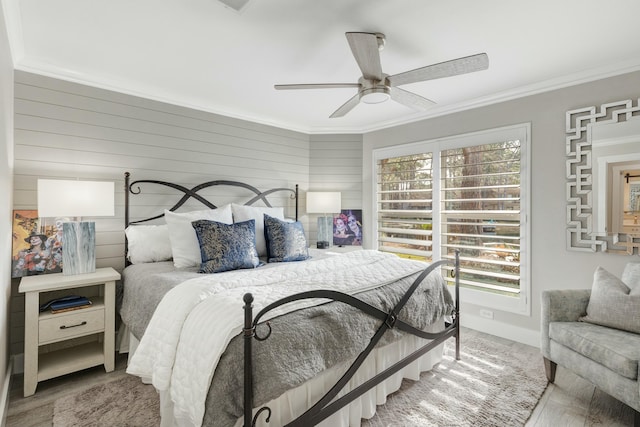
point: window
(405, 205)
(466, 193)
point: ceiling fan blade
(410, 99)
(316, 86)
(346, 107)
(365, 49)
(468, 64)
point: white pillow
(245, 213)
(613, 303)
(184, 242)
(148, 243)
(631, 274)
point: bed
(297, 337)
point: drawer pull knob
(84, 322)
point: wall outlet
(487, 314)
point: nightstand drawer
(78, 323)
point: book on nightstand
(68, 303)
(76, 307)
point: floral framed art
(37, 245)
(347, 228)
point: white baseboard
(4, 397)
(503, 330)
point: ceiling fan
(375, 86)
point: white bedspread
(195, 321)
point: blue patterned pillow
(225, 247)
(285, 240)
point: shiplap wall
(336, 165)
(65, 130)
(71, 131)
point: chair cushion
(613, 303)
(615, 349)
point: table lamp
(325, 203)
(76, 199)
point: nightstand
(58, 344)
(343, 249)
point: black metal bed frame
(327, 406)
(193, 192)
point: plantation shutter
(480, 214)
(468, 193)
(405, 207)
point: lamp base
(78, 248)
(322, 244)
(325, 231)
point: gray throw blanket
(303, 343)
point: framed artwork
(347, 228)
(37, 246)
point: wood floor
(37, 410)
(571, 401)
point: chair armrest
(561, 306)
(565, 305)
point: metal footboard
(328, 405)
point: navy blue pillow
(225, 247)
(285, 240)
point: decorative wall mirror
(603, 191)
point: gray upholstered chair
(595, 333)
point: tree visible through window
(467, 198)
(405, 206)
(480, 214)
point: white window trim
(522, 304)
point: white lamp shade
(324, 202)
(59, 198)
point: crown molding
(568, 80)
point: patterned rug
(492, 385)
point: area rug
(492, 385)
(125, 402)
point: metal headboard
(134, 188)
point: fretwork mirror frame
(579, 172)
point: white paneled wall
(65, 130)
(70, 131)
(336, 165)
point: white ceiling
(202, 54)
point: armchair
(606, 356)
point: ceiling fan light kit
(375, 87)
(375, 95)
